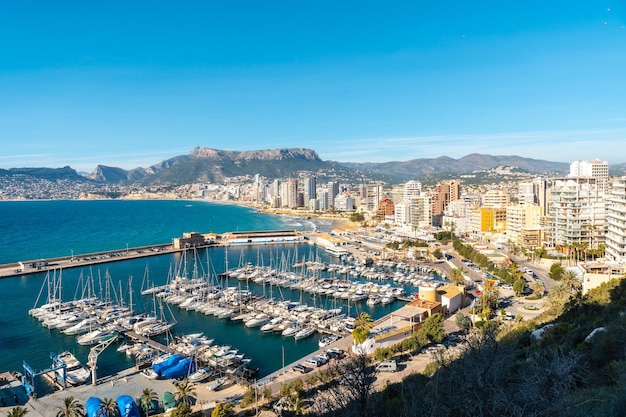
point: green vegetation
(407, 243)
(357, 216)
(364, 324)
(223, 410)
(507, 275)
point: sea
(45, 229)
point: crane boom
(94, 352)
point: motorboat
(217, 384)
(292, 329)
(258, 320)
(200, 375)
(327, 340)
(304, 333)
(75, 372)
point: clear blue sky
(130, 83)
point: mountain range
(216, 166)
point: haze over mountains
(213, 165)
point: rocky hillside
(416, 168)
(213, 165)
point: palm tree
(17, 412)
(71, 408)
(571, 282)
(184, 392)
(456, 276)
(147, 396)
(108, 408)
(364, 321)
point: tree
(456, 276)
(437, 254)
(147, 396)
(364, 321)
(71, 408)
(556, 271)
(364, 324)
(182, 410)
(571, 282)
(184, 392)
(222, 410)
(17, 412)
(108, 408)
(433, 328)
(351, 394)
(519, 286)
(463, 321)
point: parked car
(387, 366)
(301, 368)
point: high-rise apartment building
(496, 199)
(443, 194)
(309, 191)
(527, 193)
(333, 190)
(577, 212)
(373, 195)
(616, 222)
(591, 169)
(520, 219)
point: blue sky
(129, 84)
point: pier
(189, 240)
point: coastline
(342, 222)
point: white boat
(327, 340)
(85, 326)
(304, 333)
(216, 385)
(258, 320)
(75, 372)
(150, 373)
(271, 325)
(200, 375)
(94, 337)
(292, 329)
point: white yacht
(75, 372)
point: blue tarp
(171, 361)
(92, 406)
(182, 368)
(128, 407)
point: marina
(282, 298)
(264, 299)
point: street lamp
(127, 249)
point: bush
(382, 354)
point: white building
(496, 199)
(616, 222)
(591, 169)
(344, 202)
(577, 212)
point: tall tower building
(527, 193)
(577, 212)
(442, 196)
(309, 189)
(591, 169)
(616, 222)
(333, 190)
(374, 193)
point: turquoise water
(46, 229)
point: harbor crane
(94, 352)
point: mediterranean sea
(45, 229)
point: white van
(387, 366)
